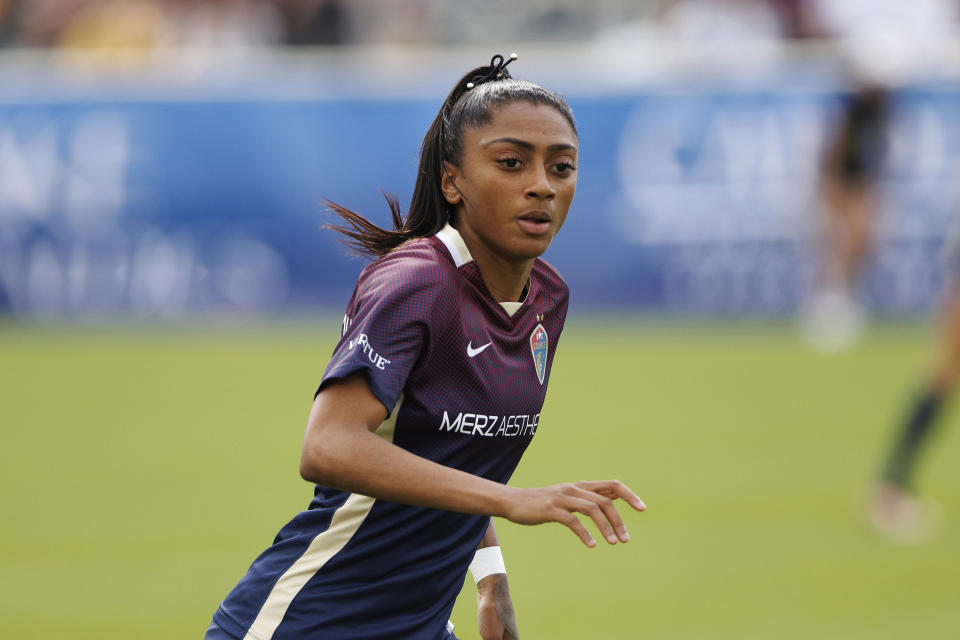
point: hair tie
(498, 70)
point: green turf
(143, 469)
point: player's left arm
(495, 616)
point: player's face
(516, 180)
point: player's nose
(540, 187)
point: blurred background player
(851, 171)
(895, 510)
(881, 45)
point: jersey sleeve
(394, 310)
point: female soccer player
(434, 391)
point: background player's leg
(896, 511)
(833, 318)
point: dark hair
(465, 108)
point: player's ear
(448, 184)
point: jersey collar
(457, 248)
(454, 243)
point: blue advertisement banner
(693, 202)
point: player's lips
(535, 222)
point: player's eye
(509, 163)
(564, 168)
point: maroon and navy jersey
(463, 378)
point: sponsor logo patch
(362, 342)
(538, 347)
(474, 352)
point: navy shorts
(216, 633)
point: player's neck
(506, 277)
(504, 285)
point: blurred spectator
(706, 21)
(139, 25)
(132, 26)
(41, 21)
(9, 15)
(877, 34)
(314, 22)
(125, 33)
(223, 23)
(320, 22)
(797, 18)
(400, 21)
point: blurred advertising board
(697, 201)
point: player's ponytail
(468, 105)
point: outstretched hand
(560, 503)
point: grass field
(143, 469)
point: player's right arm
(340, 450)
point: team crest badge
(538, 347)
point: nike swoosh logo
(474, 352)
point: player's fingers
(613, 516)
(615, 488)
(567, 518)
(589, 506)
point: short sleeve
(388, 324)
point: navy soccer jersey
(463, 378)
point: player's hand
(495, 617)
(560, 503)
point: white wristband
(487, 561)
